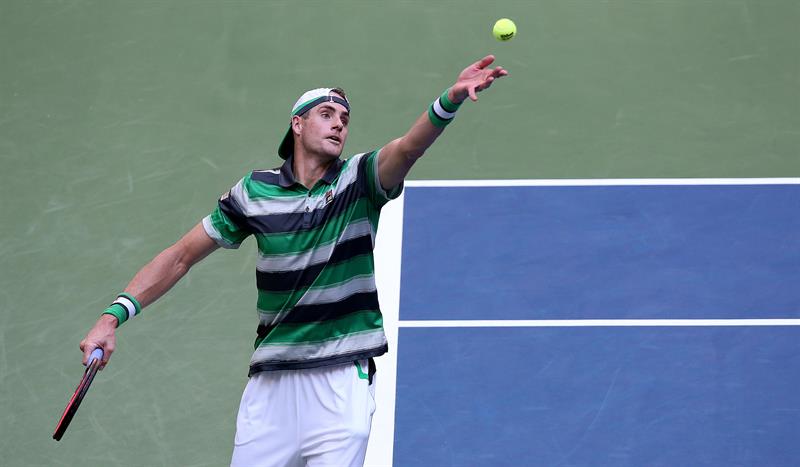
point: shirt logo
(328, 197)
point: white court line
(606, 182)
(388, 248)
(558, 323)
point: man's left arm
(398, 156)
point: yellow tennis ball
(504, 29)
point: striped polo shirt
(315, 274)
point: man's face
(323, 130)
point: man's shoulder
(263, 183)
(268, 176)
(360, 158)
(361, 155)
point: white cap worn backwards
(307, 101)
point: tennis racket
(72, 406)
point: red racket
(72, 406)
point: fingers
(107, 351)
(480, 79)
(87, 350)
(484, 62)
(498, 72)
(473, 93)
(101, 336)
(88, 347)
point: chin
(326, 151)
(330, 154)
(335, 153)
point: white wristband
(127, 304)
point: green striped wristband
(441, 111)
(124, 308)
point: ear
(297, 124)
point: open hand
(474, 79)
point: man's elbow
(410, 151)
(177, 258)
(191, 248)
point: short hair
(339, 91)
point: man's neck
(309, 169)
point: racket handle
(97, 354)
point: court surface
(551, 322)
(596, 322)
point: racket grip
(97, 354)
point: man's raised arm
(147, 286)
(397, 157)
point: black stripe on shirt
(234, 212)
(303, 314)
(298, 221)
(292, 280)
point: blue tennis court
(641, 384)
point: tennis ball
(504, 29)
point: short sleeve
(227, 224)
(372, 184)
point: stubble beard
(325, 153)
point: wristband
(442, 111)
(123, 308)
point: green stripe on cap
(299, 107)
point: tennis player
(310, 396)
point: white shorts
(314, 417)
